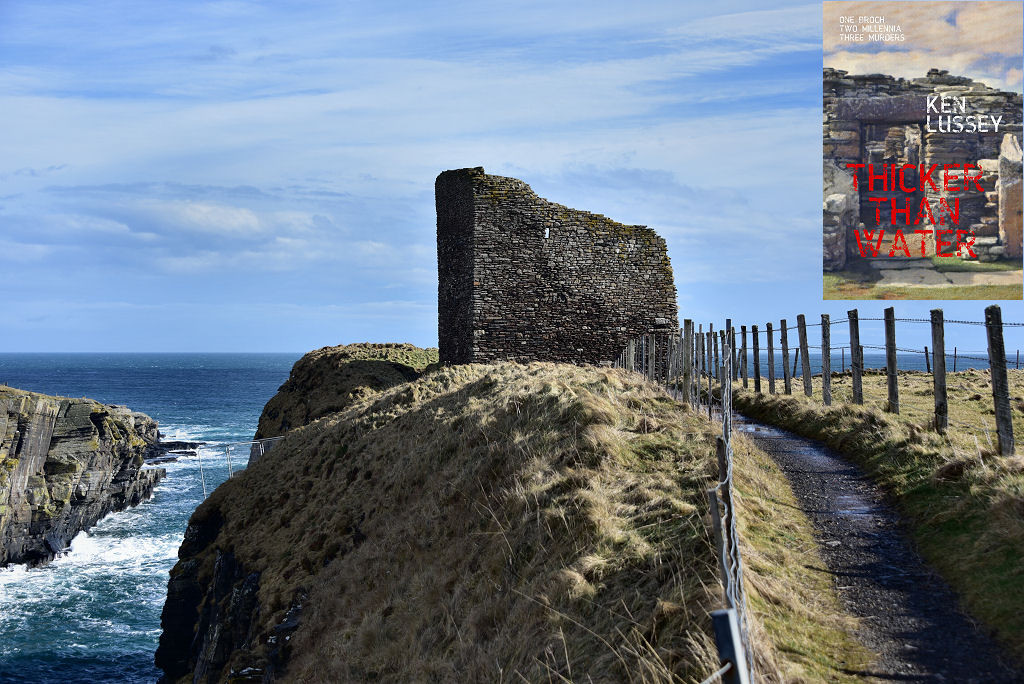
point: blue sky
(255, 176)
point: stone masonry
(880, 119)
(524, 279)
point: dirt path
(908, 614)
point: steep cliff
(64, 464)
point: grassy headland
(500, 522)
(327, 380)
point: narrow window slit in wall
(547, 232)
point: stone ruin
(524, 279)
(880, 119)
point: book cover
(921, 156)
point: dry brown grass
(328, 379)
(507, 523)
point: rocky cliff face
(64, 464)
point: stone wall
(879, 119)
(1008, 201)
(524, 279)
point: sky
(981, 40)
(258, 176)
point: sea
(93, 615)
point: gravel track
(908, 614)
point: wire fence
(256, 449)
(891, 359)
(668, 358)
(690, 363)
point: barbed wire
(663, 367)
(1006, 324)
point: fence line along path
(691, 362)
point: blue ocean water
(93, 615)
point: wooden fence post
(727, 384)
(672, 358)
(730, 646)
(757, 360)
(688, 361)
(927, 361)
(697, 355)
(890, 360)
(669, 359)
(699, 341)
(641, 346)
(709, 389)
(721, 341)
(939, 366)
(1000, 385)
(743, 355)
(805, 359)
(796, 361)
(714, 346)
(651, 358)
(954, 358)
(723, 476)
(735, 354)
(787, 379)
(709, 337)
(826, 360)
(631, 354)
(856, 357)
(645, 353)
(771, 357)
(719, 535)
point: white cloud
(980, 40)
(24, 252)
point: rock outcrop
(64, 464)
(327, 380)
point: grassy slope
(327, 380)
(835, 286)
(487, 522)
(859, 281)
(964, 503)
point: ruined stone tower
(524, 279)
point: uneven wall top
(525, 279)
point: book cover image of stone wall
(921, 150)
